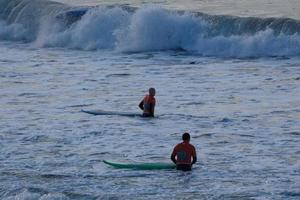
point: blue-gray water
(242, 107)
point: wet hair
(186, 136)
(152, 90)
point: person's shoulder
(152, 98)
(192, 146)
(178, 145)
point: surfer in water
(148, 104)
(184, 154)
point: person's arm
(141, 105)
(152, 109)
(173, 155)
(173, 159)
(152, 106)
(194, 157)
(194, 160)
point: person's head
(152, 91)
(186, 137)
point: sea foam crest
(95, 30)
(14, 32)
(152, 28)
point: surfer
(148, 104)
(183, 154)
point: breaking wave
(149, 28)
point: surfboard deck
(141, 166)
(103, 112)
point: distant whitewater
(150, 28)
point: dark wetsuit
(182, 156)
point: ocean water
(227, 72)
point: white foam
(152, 28)
(263, 43)
(96, 30)
(14, 32)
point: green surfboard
(141, 166)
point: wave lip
(150, 28)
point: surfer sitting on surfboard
(183, 154)
(148, 104)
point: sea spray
(149, 28)
(13, 32)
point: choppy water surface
(243, 116)
(228, 72)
